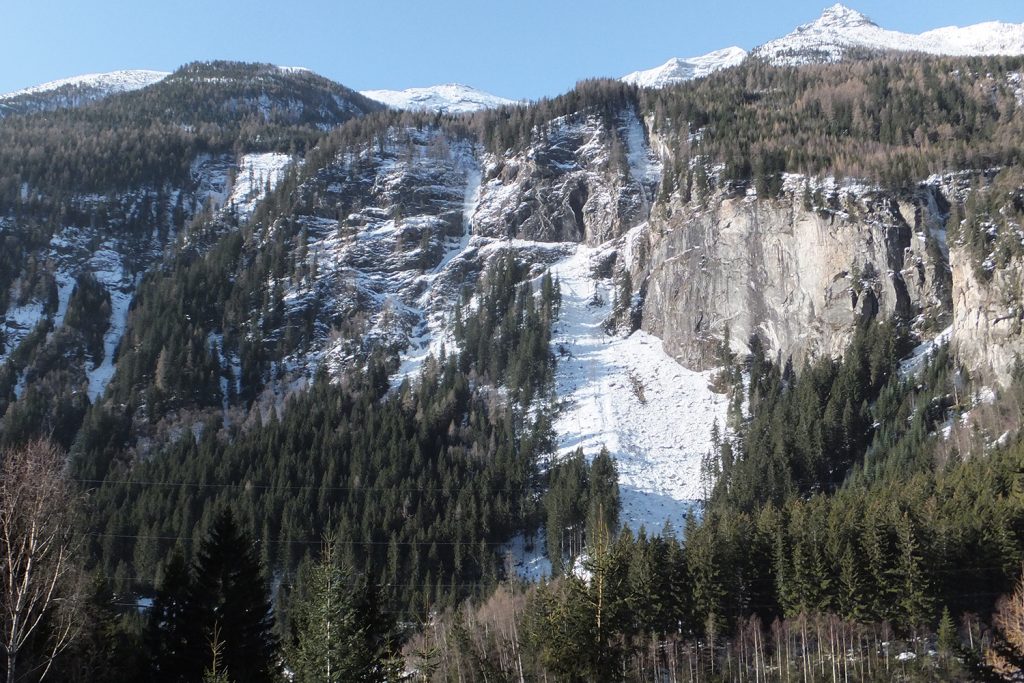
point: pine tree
(947, 638)
(335, 639)
(603, 512)
(915, 602)
(229, 592)
(169, 629)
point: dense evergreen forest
(872, 558)
(851, 528)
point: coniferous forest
(313, 433)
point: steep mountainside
(291, 233)
(83, 222)
(730, 351)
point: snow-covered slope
(78, 90)
(450, 98)
(257, 174)
(841, 30)
(110, 82)
(677, 69)
(626, 394)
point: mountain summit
(838, 16)
(449, 98)
(840, 32)
(679, 69)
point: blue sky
(515, 48)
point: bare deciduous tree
(39, 596)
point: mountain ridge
(449, 98)
(678, 69)
(838, 33)
(76, 91)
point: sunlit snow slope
(840, 30)
(111, 82)
(450, 98)
(627, 394)
(679, 69)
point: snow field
(628, 395)
(256, 174)
(679, 69)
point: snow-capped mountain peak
(838, 16)
(679, 69)
(449, 98)
(840, 31)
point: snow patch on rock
(257, 175)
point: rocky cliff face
(987, 316)
(799, 270)
(578, 181)
(393, 233)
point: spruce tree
(168, 633)
(229, 596)
(603, 512)
(331, 641)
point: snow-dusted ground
(627, 394)
(19, 321)
(211, 174)
(644, 166)
(257, 173)
(450, 98)
(680, 69)
(430, 335)
(528, 560)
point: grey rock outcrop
(800, 277)
(988, 316)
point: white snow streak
(923, 352)
(110, 272)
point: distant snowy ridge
(677, 70)
(840, 30)
(450, 98)
(105, 83)
(833, 36)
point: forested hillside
(292, 383)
